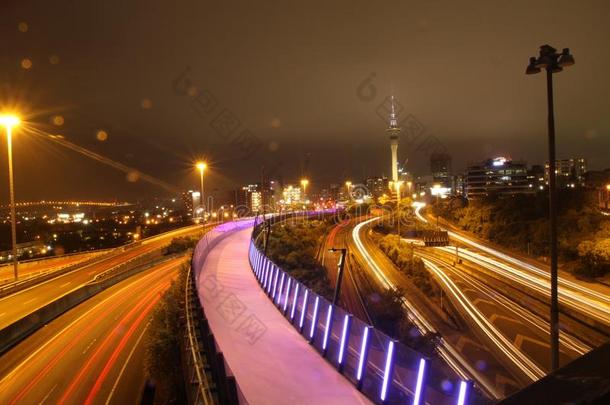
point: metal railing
(208, 379)
(196, 364)
(385, 370)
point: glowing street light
(304, 184)
(201, 166)
(8, 122)
(398, 184)
(348, 185)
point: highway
(92, 354)
(462, 349)
(591, 301)
(521, 335)
(22, 303)
(516, 334)
(31, 268)
(350, 297)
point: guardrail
(22, 328)
(38, 277)
(385, 370)
(209, 382)
(13, 287)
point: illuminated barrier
(385, 370)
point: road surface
(31, 268)
(590, 300)
(92, 354)
(466, 352)
(350, 298)
(24, 302)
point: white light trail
(528, 367)
(451, 356)
(583, 299)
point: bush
(180, 244)
(401, 254)
(293, 246)
(521, 223)
(390, 317)
(162, 359)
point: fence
(207, 371)
(385, 370)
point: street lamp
(10, 121)
(201, 166)
(552, 62)
(397, 184)
(341, 267)
(304, 184)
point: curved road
(91, 354)
(24, 302)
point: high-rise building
(498, 176)
(458, 184)
(291, 194)
(187, 201)
(252, 196)
(535, 177)
(192, 203)
(570, 172)
(377, 186)
(394, 130)
(440, 166)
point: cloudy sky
(296, 87)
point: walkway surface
(271, 362)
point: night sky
(297, 87)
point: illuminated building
(498, 176)
(291, 195)
(440, 166)
(570, 172)
(377, 186)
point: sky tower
(393, 129)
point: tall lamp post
(552, 62)
(348, 186)
(9, 121)
(397, 184)
(341, 267)
(201, 166)
(304, 184)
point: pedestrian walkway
(271, 362)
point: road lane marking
(28, 301)
(133, 349)
(65, 284)
(70, 325)
(89, 345)
(151, 298)
(48, 394)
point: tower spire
(393, 130)
(393, 118)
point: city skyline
(303, 118)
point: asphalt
(24, 302)
(91, 354)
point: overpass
(284, 343)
